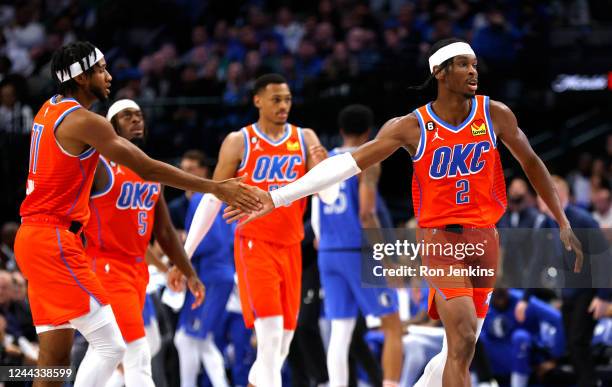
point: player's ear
(257, 101)
(439, 72)
(81, 79)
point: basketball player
(63, 291)
(125, 211)
(267, 253)
(340, 239)
(457, 187)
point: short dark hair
(67, 55)
(197, 155)
(432, 50)
(356, 119)
(267, 79)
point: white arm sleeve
(329, 194)
(202, 221)
(314, 217)
(329, 171)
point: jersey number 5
(463, 186)
(142, 222)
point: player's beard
(99, 94)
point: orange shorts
(480, 296)
(60, 279)
(269, 280)
(459, 271)
(126, 284)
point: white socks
(337, 353)
(189, 361)
(213, 362)
(286, 344)
(266, 371)
(153, 337)
(106, 349)
(137, 364)
(191, 351)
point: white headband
(76, 68)
(120, 105)
(447, 52)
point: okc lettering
(137, 195)
(276, 168)
(461, 159)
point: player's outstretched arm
(94, 130)
(168, 239)
(539, 177)
(314, 155)
(397, 132)
(230, 156)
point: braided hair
(66, 56)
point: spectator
(195, 163)
(16, 313)
(308, 63)
(7, 243)
(25, 32)
(133, 88)
(15, 117)
(599, 175)
(602, 210)
(361, 45)
(579, 180)
(252, 64)
(10, 354)
(290, 30)
(211, 86)
(496, 40)
(20, 293)
(235, 88)
(518, 230)
(271, 51)
(18, 58)
(288, 68)
(324, 38)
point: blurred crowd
(216, 49)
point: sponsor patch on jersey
(293, 146)
(479, 128)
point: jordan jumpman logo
(436, 136)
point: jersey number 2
(463, 186)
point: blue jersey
(213, 258)
(339, 222)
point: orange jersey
(58, 182)
(123, 214)
(271, 165)
(458, 178)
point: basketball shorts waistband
(73, 226)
